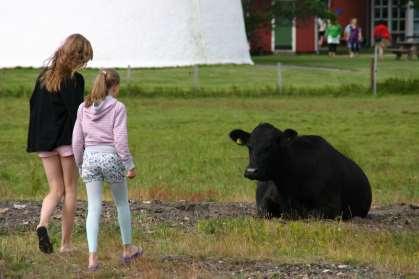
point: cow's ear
(288, 136)
(239, 136)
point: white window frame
(408, 19)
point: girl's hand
(131, 173)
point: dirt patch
(229, 268)
(393, 217)
(23, 215)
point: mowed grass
(308, 74)
(182, 149)
(183, 152)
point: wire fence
(275, 75)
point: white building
(139, 33)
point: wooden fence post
(129, 73)
(195, 77)
(373, 73)
(279, 80)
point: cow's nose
(251, 173)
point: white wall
(140, 33)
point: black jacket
(52, 115)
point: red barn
(301, 35)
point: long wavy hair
(105, 80)
(67, 59)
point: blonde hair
(67, 59)
(105, 80)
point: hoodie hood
(98, 110)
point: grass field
(183, 152)
(182, 146)
(308, 74)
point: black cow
(302, 176)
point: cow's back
(337, 171)
(355, 188)
(356, 193)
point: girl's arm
(78, 139)
(120, 133)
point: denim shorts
(102, 166)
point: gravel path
(23, 215)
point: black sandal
(129, 259)
(44, 243)
(93, 268)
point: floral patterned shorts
(102, 166)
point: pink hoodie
(103, 123)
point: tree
(300, 8)
(415, 3)
(255, 16)
(289, 9)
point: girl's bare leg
(70, 176)
(53, 171)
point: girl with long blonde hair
(58, 92)
(100, 145)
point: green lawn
(182, 146)
(183, 152)
(311, 73)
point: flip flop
(94, 268)
(44, 242)
(129, 259)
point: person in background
(353, 37)
(58, 92)
(333, 34)
(100, 146)
(382, 38)
(321, 25)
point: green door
(283, 34)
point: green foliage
(283, 9)
(415, 3)
(399, 85)
(291, 9)
(300, 8)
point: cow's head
(265, 145)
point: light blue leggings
(94, 197)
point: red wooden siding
(346, 10)
(305, 37)
(261, 39)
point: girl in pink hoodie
(100, 146)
